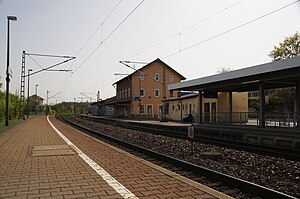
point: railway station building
(141, 94)
(272, 75)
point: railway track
(260, 149)
(225, 183)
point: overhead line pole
(23, 76)
(9, 18)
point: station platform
(150, 122)
(44, 158)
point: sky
(194, 37)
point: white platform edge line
(118, 187)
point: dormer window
(142, 76)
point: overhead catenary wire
(186, 29)
(100, 26)
(91, 36)
(54, 95)
(102, 41)
(35, 61)
(109, 35)
(230, 30)
(53, 56)
(52, 66)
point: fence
(249, 118)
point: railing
(143, 116)
(281, 120)
(249, 118)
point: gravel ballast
(276, 173)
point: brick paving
(66, 175)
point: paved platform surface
(41, 161)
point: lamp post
(9, 18)
(28, 100)
(35, 104)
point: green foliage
(67, 108)
(2, 106)
(14, 106)
(224, 70)
(283, 98)
(290, 47)
(253, 104)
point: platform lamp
(35, 99)
(28, 100)
(9, 18)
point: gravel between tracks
(276, 173)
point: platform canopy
(278, 74)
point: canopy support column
(200, 107)
(230, 106)
(261, 106)
(297, 103)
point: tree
(224, 70)
(290, 47)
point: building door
(207, 112)
(214, 112)
(149, 110)
(160, 111)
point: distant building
(35, 98)
(140, 94)
(103, 107)
(35, 101)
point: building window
(156, 93)
(171, 94)
(142, 92)
(157, 78)
(142, 109)
(149, 109)
(173, 107)
(126, 93)
(171, 78)
(142, 76)
(129, 93)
